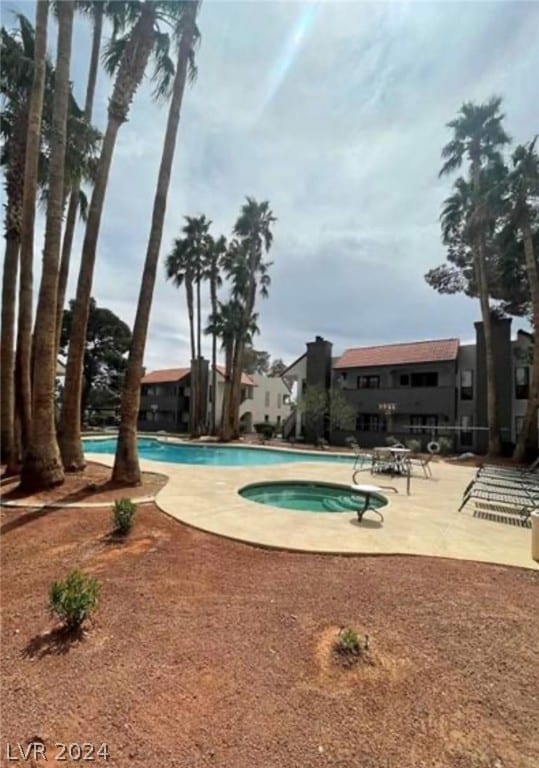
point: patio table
(396, 462)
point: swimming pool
(306, 496)
(214, 455)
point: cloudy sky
(335, 112)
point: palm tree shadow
(57, 642)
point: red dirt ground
(206, 652)
(91, 485)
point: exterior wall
(318, 372)
(271, 399)
(466, 408)
(245, 405)
(522, 355)
(437, 402)
(164, 406)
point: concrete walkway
(424, 523)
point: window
(422, 425)
(266, 417)
(278, 419)
(466, 385)
(370, 422)
(522, 382)
(368, 382)
(266, 400)
(466, 435)
(286, 399)
(404, 380)
(279, 400)
(426, 379)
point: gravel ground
(91, 485)
(205, 652)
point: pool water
(214, 455)
(309, 497)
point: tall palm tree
(212, 273)
(249, 272)
(478, 137)
(126, 464)
(128, 56)
(16, 75)
(524, 180)
(227, 323)
(42, 467)
(185, 264)
(97, 12)
(33, 137)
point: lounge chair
(507, 499)
(495, 470)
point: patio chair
(423, 462)
(361, 459)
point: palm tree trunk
(199, 346)
(130, 74)
(23, 372)
(527, 440)
(494, 444)
(224, 430)
(213, 292)
(7, 391)
(126, 464)
(192, 384)
(71, 219)
(42, 467)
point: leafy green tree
(105, 355)
(255, 361)
(277, 367)
(314, 407)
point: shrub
(73, 599)
(414, 445)
(350, 643)
(391, 440)
(122, 515)
(446, 445)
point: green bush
(122, 515)
(391, 440)
(265, 430)
(446, 445)
(414, 445)
(73, 599)
(350, 643)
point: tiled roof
(246, 380)
(165, 375)
(400, 354)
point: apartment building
(165, 399)
(423, 389)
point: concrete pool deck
(425, 523)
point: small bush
(350, 643)
(446, 445)
(391, 440)
(122, 515)
(73, 599)
(414, 445)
